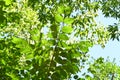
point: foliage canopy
(49, 39)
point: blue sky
(112, 48)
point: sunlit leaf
(35, 34)
(22, 44)
(69, 20)
(67, 29)
(7, 2)
(58, 18)
(84, 46)
(60, 10)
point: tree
(105, 70)
(47, 39)
(110, 8)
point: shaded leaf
(63, 37)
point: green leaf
(35, 34)
(18, 40)
(62, 43)
(75, 67)
(67, 9)
(63, 72)
(71, 68)
(2, 3)
(7, 2)
(58, 18)
(75, 55)
(63, 37)
(22, 44)
(58, 60)
(54, 30)
(84, 46)
(60, 10)
(3, 61)
(69, 20)
(67, 29)
(55, 75)
(13, 76)
(29, 56)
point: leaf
(61, 71)
(13, 76)
(2, 18)
(55, 75)
(35, 34)
(69, 20)
(84, 46)
(17, 40)
(75, 60)
(29, 56)
(58, 60)
(2, 3)
(3, 61)
(7, 2)
(60, 10)
(54, 30)
(71, 68)
(67, 9)
(53, 63)
(75, 55)
(58, 18)
(75, 67)
(62, 43)
(67, 29)
(63, 37)
(22, 44)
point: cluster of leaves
(114, 31)
(105, 70)
(111, 8)
(28, 51)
